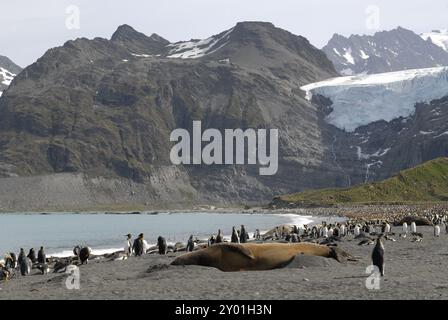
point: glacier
(438, 37)
(362, 99)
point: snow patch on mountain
(438, 37)
(363, 99)
(348, 56)
(6, 76)
(198, 48)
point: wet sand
(414, 270)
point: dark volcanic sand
(413, 271)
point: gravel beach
(414, 270)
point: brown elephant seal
(279, 230)
(419, 221)
(253, 256)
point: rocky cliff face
(107, 107)
(95, 117)
(387, 127)
(385, 51)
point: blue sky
(29, 28)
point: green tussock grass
(425, 183)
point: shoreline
(354, 210)
(414, 270)
(110, 230)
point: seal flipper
(237, 248)
(340, 255)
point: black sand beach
(414, 270)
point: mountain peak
(385, 51)
(124, 31)
(138, 42)
(6, 63)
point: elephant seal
(279, 231)
(256, 257)
(419, 221)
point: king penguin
(32, 255)
(218, 237)
(24, 263)
(235, 238)
(413, 227)
(436, 231)
(161, 243)
(128, 245)
(378, 255)
(190, 244)
(243, 235)
(41, 256)
(84, 255)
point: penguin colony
(367, 232)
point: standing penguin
(137, 247)
(76, 250)
(357, 231)
(161, 243)
(413, 227)
(294, 238)
(378, 255)
(190, 244)
(24, 263)
(257, 234)
(235, 238)
(21, 256)
(387, 228)
(84, 255)
(437, 231)
(211, 240)
(128, 245)
(243, 235)
(11, 261)
(32, 255)
(218, 237)
(405, 228)
(41, 256)
(325, 232)
(343, 230)
(42, 261)
(295, 229)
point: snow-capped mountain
(363, 99)
(8, 70)
(198, 48)
(385, 51)
(438, 37)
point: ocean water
(60, 233)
